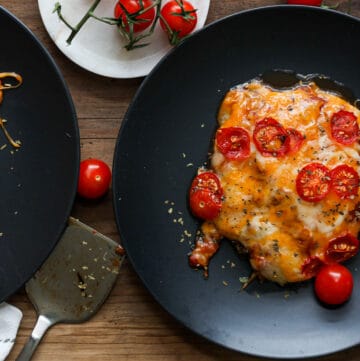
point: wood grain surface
(130, 325)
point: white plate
(99, 47)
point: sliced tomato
(296, 140)
(271, 138)
(344, 127)
(208, 181)
(341, 248)
(205, 204)
(206, 196)
(311, 266)
(313, 182)
(345, 181)
(233, 142)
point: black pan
(169, 126)
(38, 181)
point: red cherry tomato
(341, 248)
(305, 2)
(313, 182)
(207, 181)
(296, 140)
(94, 178)
(205, 204)
(271, 138)
(344, 181)
(334, 284)
(175, 19)
(205, 196)
(311, 266)
(133, 7)
(344, 127)
(233, 142)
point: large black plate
(174, 112)
(38, 182)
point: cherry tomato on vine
(305, 2)
(344, 127)
(233, 142)
(94, 178)
(178, 19)
(345, 181)
(135, 8)
(313, 182)
(341, 248)
(334, 284)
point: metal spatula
(74, 281)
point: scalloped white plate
(99, 47)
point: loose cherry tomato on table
(206, 196)
(344, 127)
(94, 178)
(271, 138)
(345, 181)
(140, 12)
(334, 284)
(305, 2)
(313, 182)
(341, 248)
(178, 19)
(233, 142)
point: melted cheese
(261, 208)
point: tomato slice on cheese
(233, 142)
(313, 182)
(344, 127)
(341, 248)
(296, 140)
(345, 181)
(205, 196)
(271, 138)
(311, 266)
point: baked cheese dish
(283, 181)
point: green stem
(106, 20)
(127, 30)
(80, 24)
(57, 9)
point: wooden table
(130, 325)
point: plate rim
(112, 74)
(55, 68)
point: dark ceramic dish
(38, 181)
(169, 125)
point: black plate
(38, 182)
(170, 124)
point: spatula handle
(42, 325)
